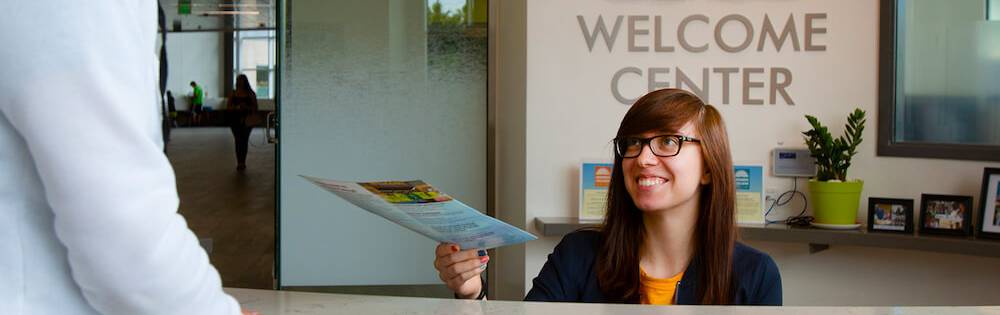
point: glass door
(376, 90)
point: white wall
(509, 74)
(571, 116)
(195, 56)
(864, 276)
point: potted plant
(835, 198)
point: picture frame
(945, 214)
(889, 215)
(989, 205)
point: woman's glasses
(662, 146)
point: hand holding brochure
(425, 210)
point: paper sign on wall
(595, 178)
(749, 193)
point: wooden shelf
(819, 239)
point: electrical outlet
(770, 194)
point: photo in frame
(945, 214)
(890, 215)
(989, 204)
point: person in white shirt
(88, 202)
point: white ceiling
(211, 15)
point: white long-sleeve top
(88, 203)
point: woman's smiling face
(658, 183)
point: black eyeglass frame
(645, 142)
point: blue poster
(749, 193)
(594, 181)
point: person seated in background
(172, 109)
(669, 236)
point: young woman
(669, 236)
(241, 107)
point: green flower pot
(835, 202)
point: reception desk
(268, 302)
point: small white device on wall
(792, 163)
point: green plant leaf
(833, 156)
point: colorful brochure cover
(749, 193)
(420, 207)
(594, 181)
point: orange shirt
(657, 290)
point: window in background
(940, 79)
(254, 56)
(456, 38)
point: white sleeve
(79, 84)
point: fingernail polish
(482, 252)
(484, 259)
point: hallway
(231, 212)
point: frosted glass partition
(948, 85)
(372, 91)
(994, 10)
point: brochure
(420, 207)
(749, 193)
(595, 178)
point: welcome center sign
(696, 33)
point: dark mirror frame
(887, 146)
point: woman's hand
(460, 270)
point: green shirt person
(198, 98)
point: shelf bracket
(815, 248)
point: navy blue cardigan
(569, 275)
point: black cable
(797, 220)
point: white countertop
(268, 302)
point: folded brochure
(420, 207)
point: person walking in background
(197, 102)
(241, 109)
(88, 201)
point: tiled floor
(233, 209)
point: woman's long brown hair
(715, 232)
